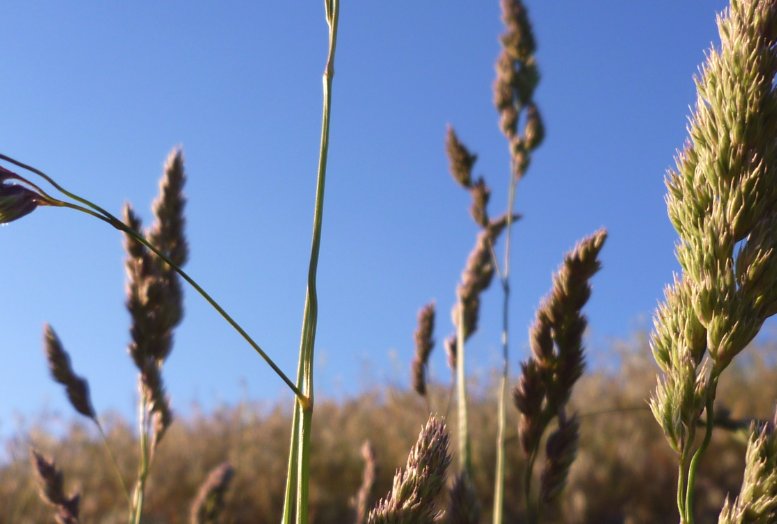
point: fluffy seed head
(411, 500)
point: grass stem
(711, 389)
(105, 216)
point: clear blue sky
(97, 94)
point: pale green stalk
(114, 461)
(713, 384)
(465, 463)
(501, 427)
(136, 509)
(105, 216)
(300, 449)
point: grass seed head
(411, 500)
(459, 158)
(209, 502)
(560, 452)
(59, 364)
(51, 488)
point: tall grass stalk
(299, 454)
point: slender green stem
(711, 389)
(499, 479)
(465, 464)
(113, 460)
(136, 509)
(501, 428)
(304, 404)
(291, 475)
(118, 224)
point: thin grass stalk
(291, 474)
(501, 423)
(304, 403)
(713, 384)
(465, 462)
(139, 495)
(115, 463)
(107, 217)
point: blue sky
(97, 94)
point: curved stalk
(711, 389)
(107, 217)
(113, 460)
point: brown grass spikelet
(450, 350)
(518, 40)
(411, 500)
(464, 507)
(209, 503)
(459, 158)
(535, 129)
(59, 364)
(157, 400)
(51, 488)
(557, 360)
(560, 452)
(480, 196)
(528, 397)
(362, 499)
(476, 277)
(424, 343)
(167, 234)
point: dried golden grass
(624, 471)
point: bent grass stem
(107, 217)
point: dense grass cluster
(624, 471)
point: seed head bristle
(209, 502)
(51, 489)
(459, 158)
(59, 364)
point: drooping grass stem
(107, 217)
